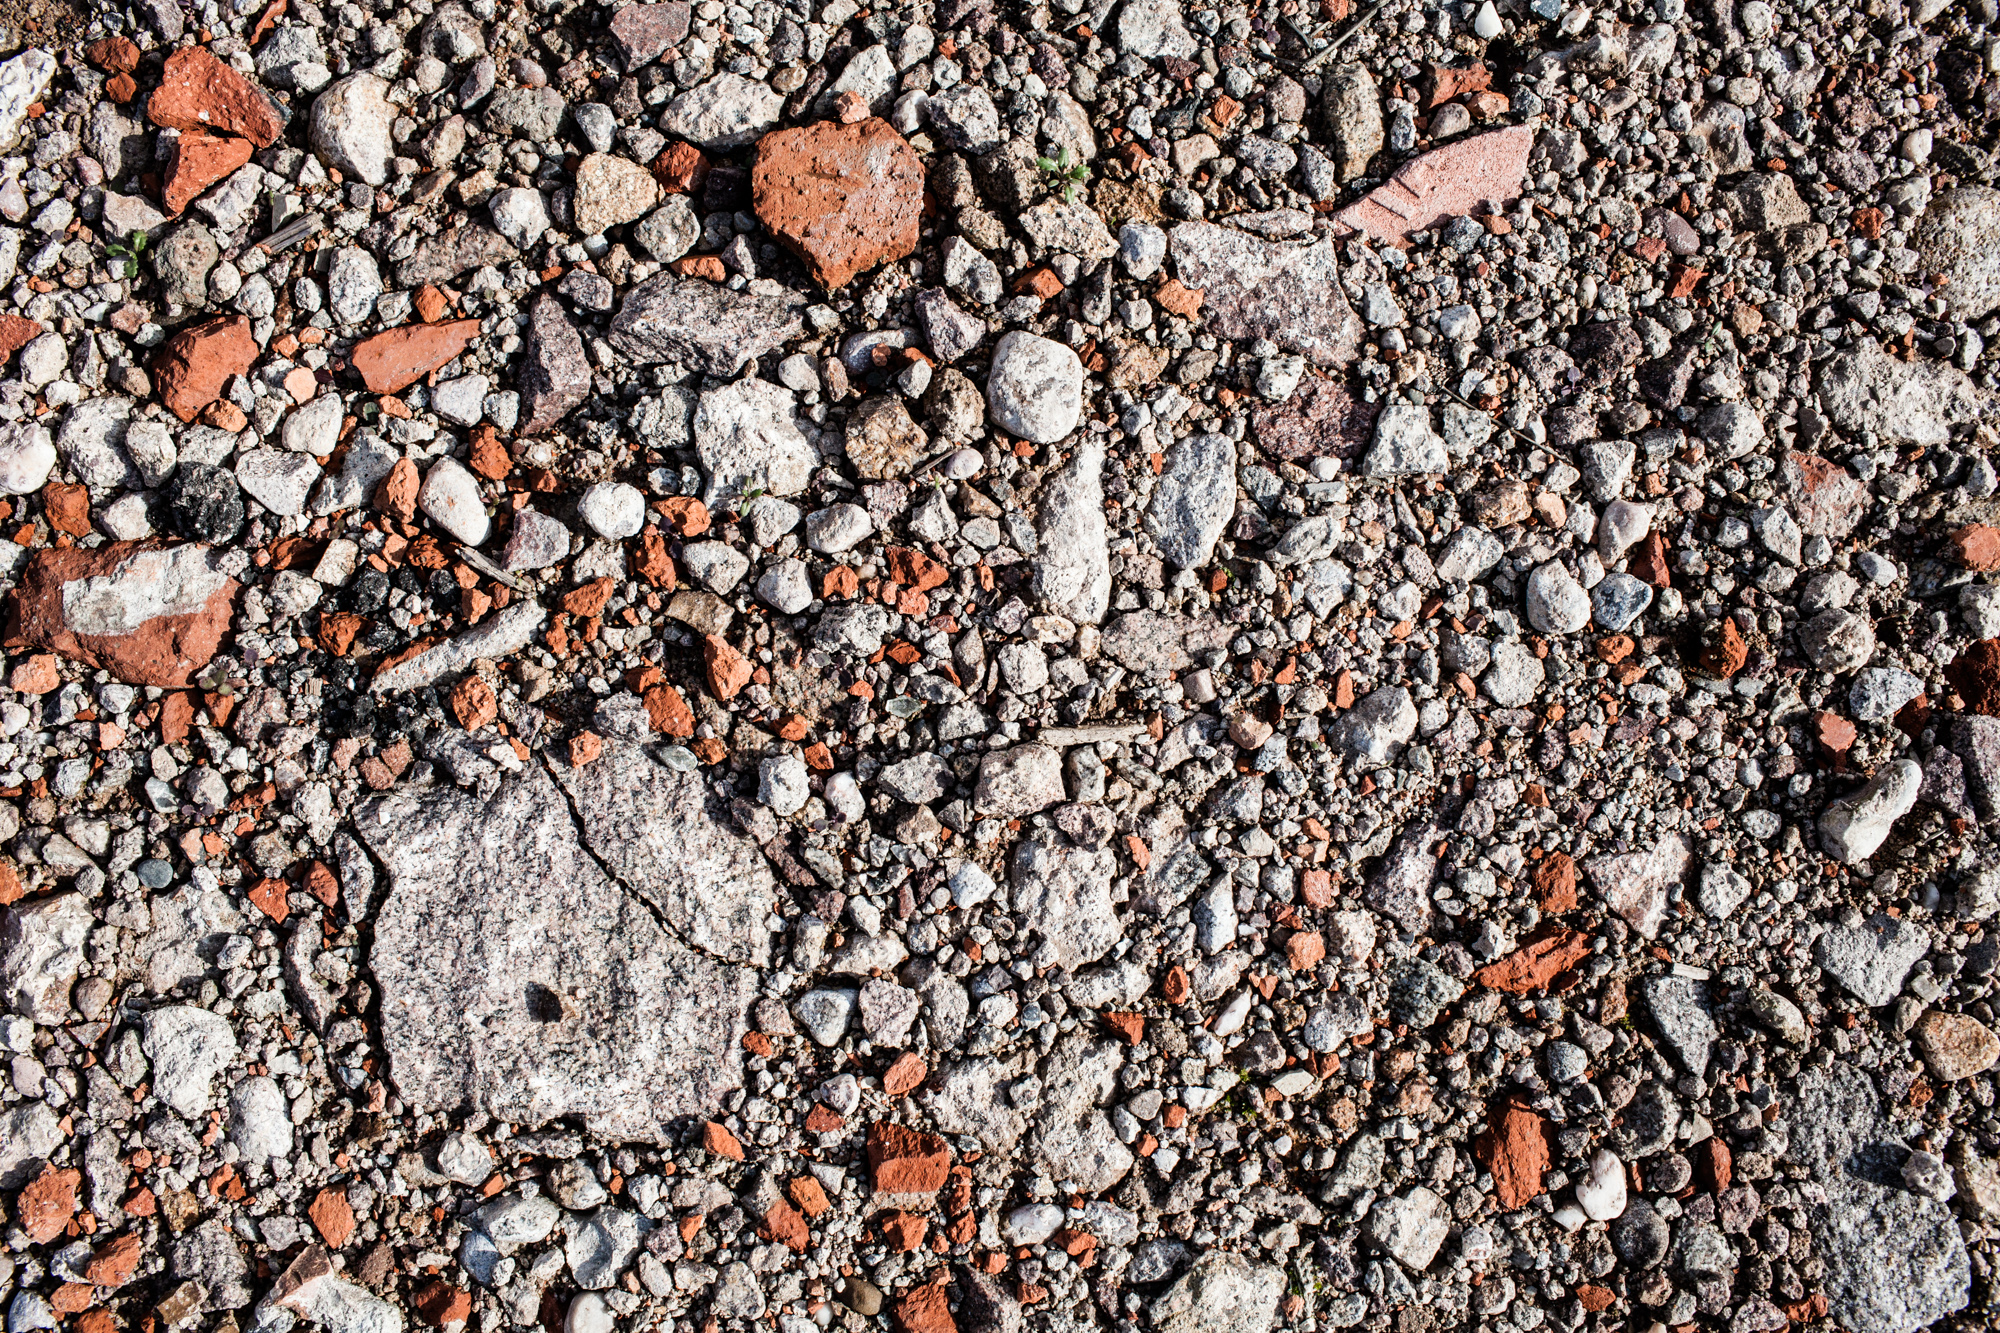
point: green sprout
(1070, 171)
(129, 250)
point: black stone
(204, 503)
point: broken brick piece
(906, 1161)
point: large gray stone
(516, 979)
(1286, 291)
(1073, 567)
(1195, 496)
(1222, 1292)
(1894, 1258)
(1062, 893)
(701, 324)
(664, 835)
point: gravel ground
(979, 667)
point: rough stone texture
(664, 835)
(515, 977)
(41, 952)
(1223, 1292)
(702, 325)
(494, 638)
(1870, 960)
(1286, 291)
(1063, 893)
(1515, 1149)
(1905, 403)
(150, 615)
(747, 439)
(1194, 498)
(555, 375)
(1635, 885)
(1073, 569)
(1894, 1259)
(643, 33)
(1959, 238)
(1035, 388)
(1446, 182)
(610, 191)
(843, 198)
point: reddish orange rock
(906, 1161)
(906, 1075)
(843, 198)
(431, 304)
(473, 703)
(654, 563)
(1595, 1299)
(47, 1203)
(717, 1139)
(67, 507)
(113, 55)
(1446, 84)
(699, 266)
(903, 1231)
(584, 748)
(1649, 562)
(689, 516)
(1174, 986)
(192, 367)
(1726, 652)
(925, 1309)
(787, 1226)
(268, 897)
(728, 670)
(1304, 949)
(1132, 1027)
(669, 712)
(199, 161)
(1975, 674)
(1713, 1165)
(681, 169)
(1515, 1149)
(115, 1262)
(438, 1303)
(913, 569)
(489, 456)
(332, 1217)
(397, 493)
(1978, 547)
(808, 1194)
(16, 333)
(37, 675)
(199, 92)
(150, 615)
(1555, 883)
(1177, 298)
(1535, 964)
(393, 360)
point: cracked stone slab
(518, 980)
(665, 836)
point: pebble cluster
(985, 666)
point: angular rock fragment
(843, 198)
(150, 615)
(1446, 182)
(516, 978)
